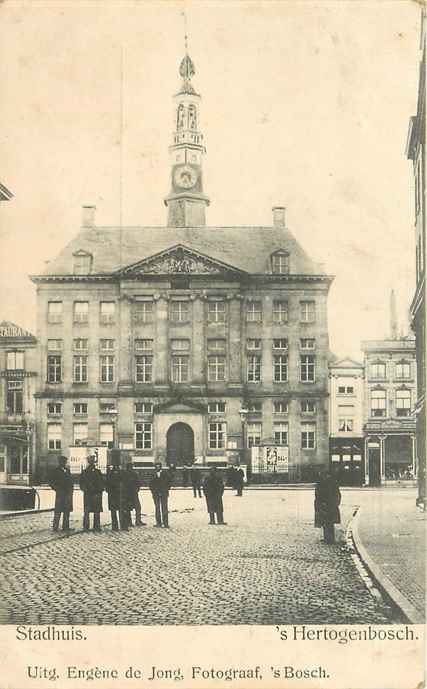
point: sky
(304, 104)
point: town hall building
(186, 342)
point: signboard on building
(80, 453)
(270, 459)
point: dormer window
(82, 263)
(280, 263)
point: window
(143, 312)
(54, 433)
(280, 407)
(107, 407)
(82, 263)
(216, 311)
(143, 369)
(179, 369)
(254, 369)
(345, 425)
(106, 345)
(180, 345)
(253, 434)
(307, 343)
(216, 436)
(253, 344)
(403, 369)
(107, 368)
(107, 312)
(280, 431)
(254, 407)
(143, 407)
(346, 390)
(106, 435)
(80, 344)
(308, 436)
(216, 407)
(80, 369)
(81, 312)
(403, 402)
(54, 312)
(307, 368)
(280, 263)
(54, 368)
(216, 369)
(307, 311)
(378, 403)
(378, 370)
(280, 311)
(253, 312)
(80, 408)
(179, 311)
(143, 436)
(14, 402)
(54, 345)
(281, 343)
(54, 408)
(216, 345)
(143, 345)
(308, 407)
(280, 368)
(80, 433)
(15, 361)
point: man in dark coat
(159, 486)
(61, 482)
(213, 488)
(131, 486)
(196, 481)
(113, 484)
(239, 478)
(92, 485)
(326, 506)
(185, 475)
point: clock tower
(186, 202)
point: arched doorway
(180, 444)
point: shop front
(347, 460)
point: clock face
(185, 176)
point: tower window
(280, 263)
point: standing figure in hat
(61, 482)
(326, 506)
(159, 486)
(213, 488)
(131, 486)
(113, 484)
(92, 485)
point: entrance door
(3, 464)
(374, 466)
(180, 444)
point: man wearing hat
(159, 486)
(131, 486)
(61, 482)
(92, 485)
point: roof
(245, 248)
(346, 363)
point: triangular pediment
(346, 363)
(179, 260)
(180, 406)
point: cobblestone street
(267, 566)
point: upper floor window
(54, 345)
(82, 263)
(280, 262)
(80, 369)
(403, 369)
(80, 344)
(54, 312)
(216, 311)
(378, 370)
(107, 310)
(403, 402)
(144, 369)
(80, 433)
(280, 368)
(253, 344)
(346, 390)
(254, 407)
(15, 361)
(280, 311)
(216, 345)
(179, 369)
(307, 343)
(106, 435)
(143, 345)
(143, 407)
(280, 431)
(280, 407)
(217, 435)
(345, 425)
(308, 407)
(216, 407)
(54, 368)
(254, 311)
(54, 436)
(106, 363)
(143, 436)
(15, 399)
(54, 408)
(308, 436)
(143, 311)
(179, 311)
(253, 434)
(281, 343)
(81, 312)
(80, 408)
(307, 311)
(106, 345)
(216, 369)
(308, 368)
(107, 407)
(254, 369)
(378, 402)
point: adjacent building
(390, 397)
(346, 419)
(416, 153)
(18, 375)
(184, 342)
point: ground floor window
(254, 431)
(54, 434)
(143, 436)
(308, 436)
(18, 460)
(216, 436)
(106, 434)
(280, 433)
(15, 397)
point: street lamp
(243, 414)
(28, 428)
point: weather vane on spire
(186, 68)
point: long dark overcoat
(239, 478)
(62, 483)
(159, 485)
(130, 487)
(213, 488)
(113, 485)
(195, 478)
(326, 502)
(92, 485)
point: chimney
(88, 216)
(393, 316)
(279, 216)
